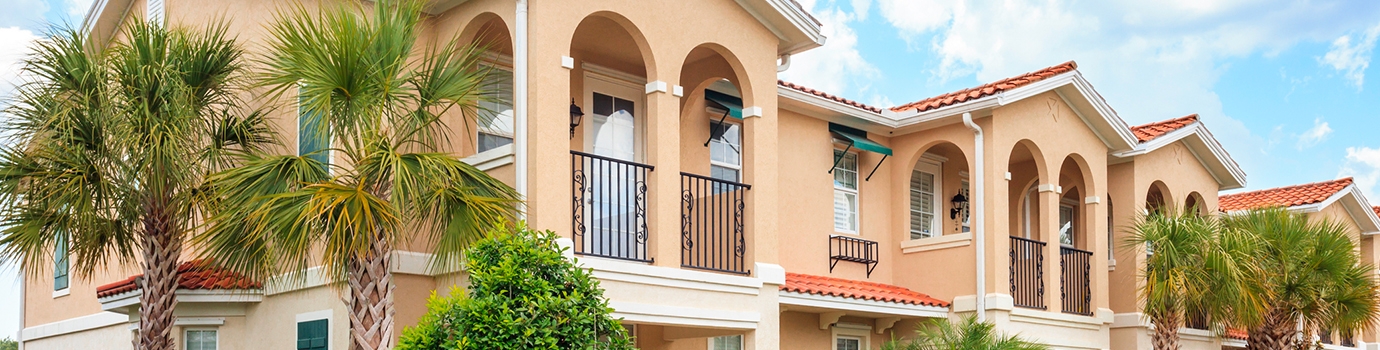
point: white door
(615, 128)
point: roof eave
(1221, 166)
(791, 24)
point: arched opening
(714, 188)
(1075, 239)
(939, 192)
(1194, 204)
(1155, 199)
(1027, 242)
(493, 126)
(611, 64)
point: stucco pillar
(1049, 233)
(761, 157)
(663, 192)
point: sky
(1285, 85)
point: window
(846, 192)
(60, 263)
(924, 200)
(313, 135)
(1066, 231)
(730, 342)
(311, 335)
(496, 112)
(154, 14)
(725, 152)
(966, 215)
(847, 343)
(200, 339)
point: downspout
(979, 237)
(520, 108)
(23, 294)
(785, 63)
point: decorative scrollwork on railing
(641, 203)
(741, 248)
(687, 200)
(578, 204)
(712, 224)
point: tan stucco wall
(109, 337)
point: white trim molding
(72, 325)
(684, 316)
(622, 271)
(937, 243)
(120, 302)
(491, 159)
(854, 305)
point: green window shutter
(60, 263)
(311, 335)
(313, 136)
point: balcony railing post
(609, 198)
(1027, 277)
(1075, 280)
(712, 215)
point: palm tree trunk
(1166, 336)
(1277, 333)
(371, 302)
(162, 248)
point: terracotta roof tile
(966, 95)
(190, 275)
(832, 97)
(1284, 196)
(1239, 334)
(838, 287)
(1148, 132)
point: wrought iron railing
(843, 248)
(610, 207)
(1028, 272)
(712, 215)
(1075, 280)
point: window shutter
(921, 205)
(155, 12)
(311, 335)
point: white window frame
(1072, 204)
(936, 169)
(501, 63)
(738, 168)
(327, 314)
(857, 196)
(738, 336)
(186, 330)
(863, 333)
(67, 257)
(1030, 195)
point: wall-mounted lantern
(575, 115)
(957, 205)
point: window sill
(937, 243)
(490, 159)
(62, 293)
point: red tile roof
(965, 95)
(1284, 196)
(1148, 132)
(838, 287)
(190, 275)
(1239, 334)
(832, 97)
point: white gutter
(520, 108)
(979, 237)
(785, 63)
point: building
(723, 208)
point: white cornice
(72, 325)
(1209, 144)
(861, 306)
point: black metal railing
(1325, 336)
(712, 215)
(610, 207)
(843, 248)
(1075, 283)
(1028, 272)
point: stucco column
(1095, 219)
(663, 191)
(761, 156)
(1049, 233)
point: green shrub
(9, 344)
(523, 294)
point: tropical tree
(1192, 267)
(1309, 279)
(110, 148)
(968, 334)
(366, 89)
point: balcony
(711, 224)
(1028, 272)
(610, 207)
(1075, 280)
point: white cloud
(837, 67)
(1351, 55)
(77, 8)
(1314, 135)
(1363, 164)
(11, 60)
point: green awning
(858, 139)
(734, 105)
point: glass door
(617, 190)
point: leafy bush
(968, 334)
(9, 344)
(523, 294)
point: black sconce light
(958, 203)
(575, 115)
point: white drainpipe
(785, 63)
(979, 237)
(23, 294)
(520, 96)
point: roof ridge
(1349, 180)
(1193, 117)
(988, 89)
(829, 96)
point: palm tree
(110, 148)
(1309, 279)
(379, 106)
(966, 335)
(1196, 268)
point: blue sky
(1285, 85)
